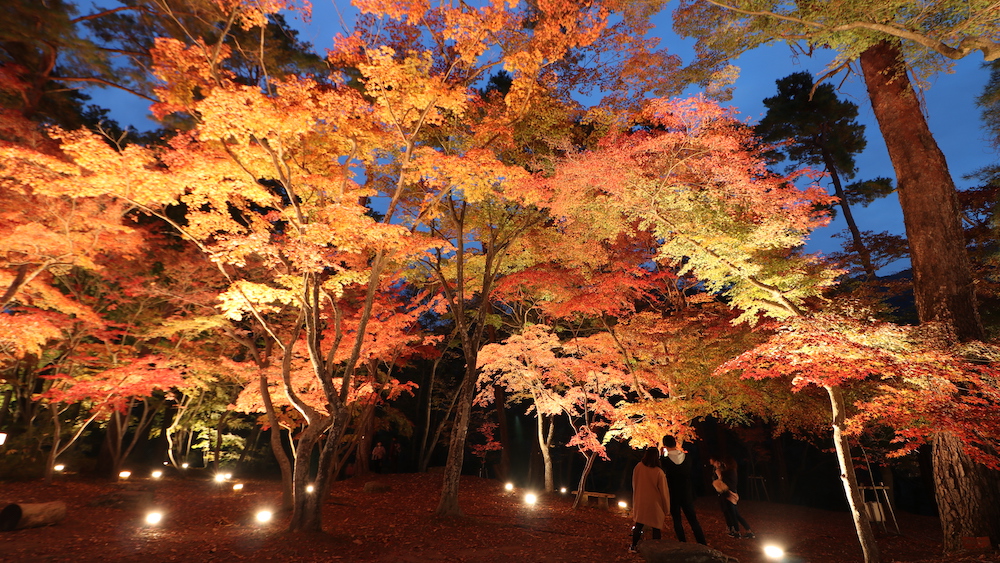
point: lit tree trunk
(276, 447)
(306, 507)
(861, 522)
(966, 494)
(220, 429)
(448, 504)
(942, 277)
(544, 440)
(582, 486)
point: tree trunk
(18, 516)
(582, 486)
(967, 494)
(6, 406)
(448, 504)
(423, 455)
(544, 441)
(306, 508)
(276, 447)
(858, 243)
(500, 402)
(861, 523)
(220, 428)
(942, 277)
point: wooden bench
(601, 498)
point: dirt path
(205, 522)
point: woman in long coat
(650, 496)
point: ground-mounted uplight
(509, 486)
(59, 467)
(124, 474)
(773, 552)
(185, 465)
(238, 487)
(219, 477)
(622, 504)
(562, 490)
(530, 499)
(3, 438)
(228, 476)
(154, 518)
(157, 474)
(310, 489)
(264, 516)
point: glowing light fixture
(157, 474)
(238, 487)
(509, 486)
(184, 465)
(219, 477)
(59, 467)
(3, 438)
(622, 504)
(264, 516)
(166, 463)
(310, 489)
(154, 518)
(773, 552)
(124, 474)
(563, 490)
(530, 498)
(228, 476)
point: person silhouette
(378, 453)
(677, 467)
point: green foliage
(865, 192)
(931, 34)
(812, 125)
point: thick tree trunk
(967, 494)
(448, 504)
(942, 277)
(306, 508)
(861, 523)
(544, 438)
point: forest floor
(207, 522)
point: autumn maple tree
(265, 179)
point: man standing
(677, 466)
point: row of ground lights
(155, 517)
(60, 467)
(532, 498)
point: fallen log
(18, 516)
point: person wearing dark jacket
(725, 485)
(677, 466)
